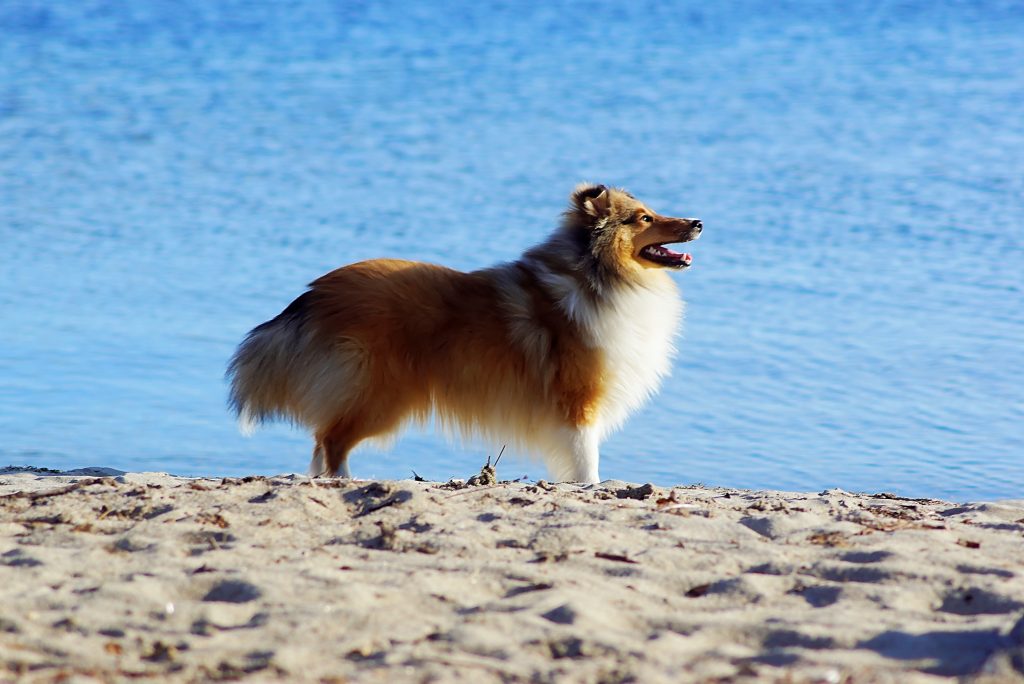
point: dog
(547, 354)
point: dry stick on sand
(57, 491)
(488, 474)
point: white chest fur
(636, 328)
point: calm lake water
(173, 173)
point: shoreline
(113, 577)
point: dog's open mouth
(662, 255)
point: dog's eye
(646, 219)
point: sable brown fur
(530, 353)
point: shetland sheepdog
(547, 354)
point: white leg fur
(575, 456)
(343, 470)
(317, 466)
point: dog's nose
(697, 225)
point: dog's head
(624, 234)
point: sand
(146, 576)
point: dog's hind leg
(348, 431)
(330, 455)
(317, 467)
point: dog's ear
(592, 199)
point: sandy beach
(146, 576)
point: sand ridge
(117, 577)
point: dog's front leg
(573, 457)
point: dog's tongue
(664, 251)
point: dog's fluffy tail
(262, 371)
(285, 369)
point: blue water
(173, 173)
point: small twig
(395, 498)
(677, 507)
(617, 557)
(461, 662)
(471, 490)
(52, 492)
